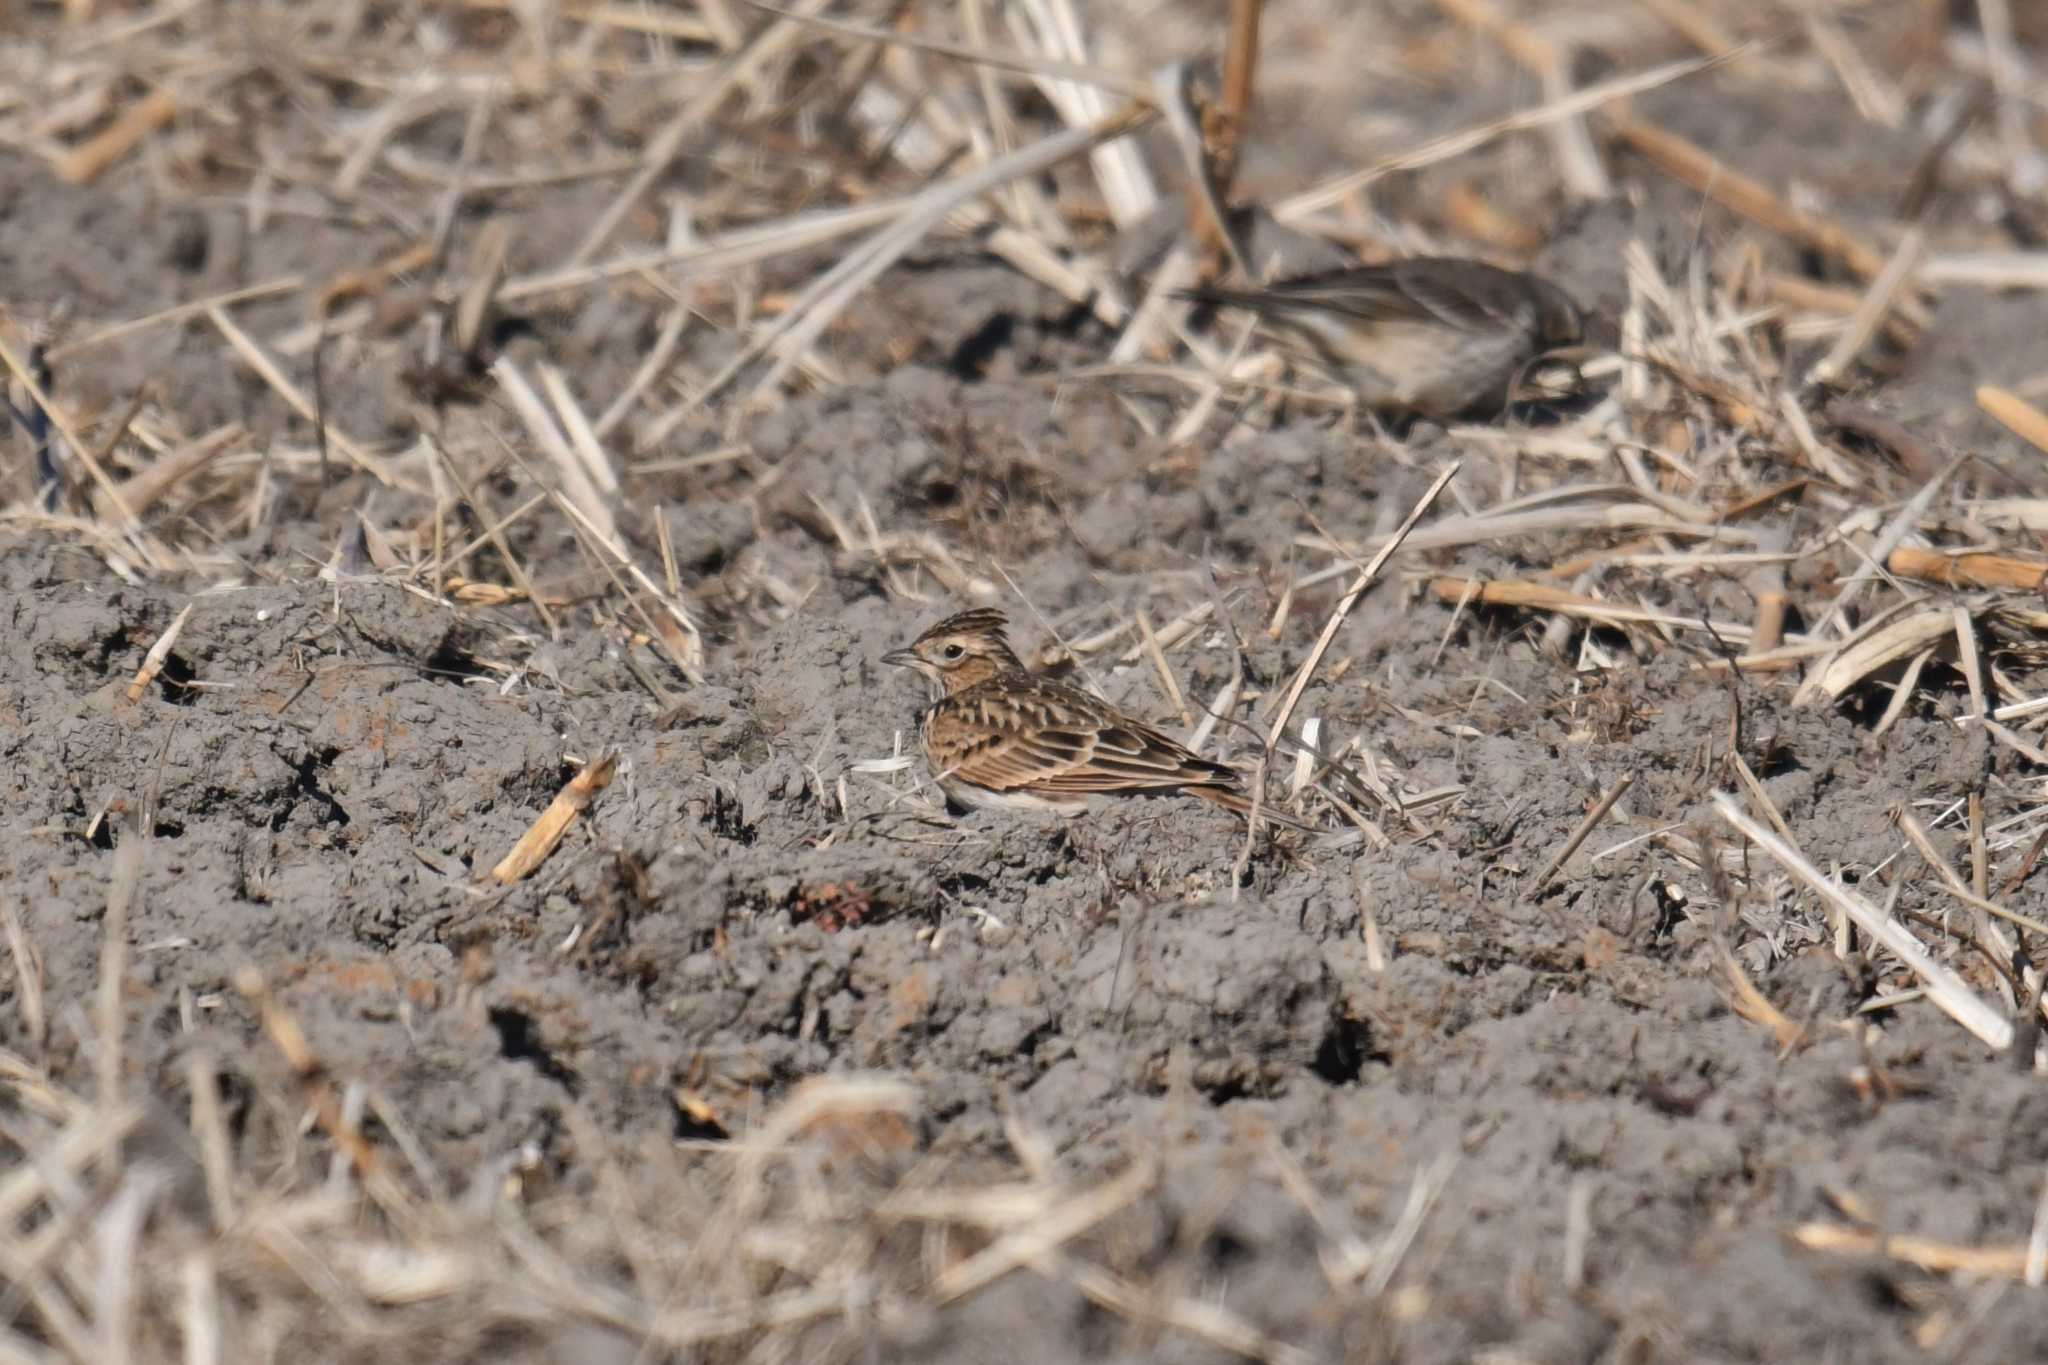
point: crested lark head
(960, 652)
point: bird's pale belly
(981, 798)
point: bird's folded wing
(1482, 304)
(1074, 760)
(1360, 294)
(1367, 293)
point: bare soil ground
(774, 1058)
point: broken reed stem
(1497, 592)
(1016, 62)
(146, 487)
(1967, 570)
(1968, 939)
(153, 662)
(678, 633)
(1350, 600)
(1208, 221)
(209, 1130)
(473, 493)
(1980, 853)
(114, 331)
(1802, 295)
(86, 162)
(2027, 864)
(1926, 1253)
(2016, 415)
(544, 834)
(1695, 23)
(1144, 1306)
(790, 337)
(1768, 632)
(739, 68)
(575, 473)
(1582, 833)
(1240, 77)
(1550, 62)
(367, 281)
(1222, 133)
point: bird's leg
(1070, 837)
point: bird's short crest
(973, 621)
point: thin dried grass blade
(676, 631)
(1335, 191)
(1947, 990)
(1045, 1234)
(582, 437)
(1753, 1005)
(792, 334)
(1001, 59)
(1902, 695)
(1706, 174)
(25, 376)
(1367, 574)
(115, 331)
(741, 69)
(257, 360)
(1543, 597)
(577, 484)
(1871, 311)
(144, 489)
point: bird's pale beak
(900, 658)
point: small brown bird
(1000, 737)
(1437, 336)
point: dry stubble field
(445, 400)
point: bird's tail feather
(1233, 800)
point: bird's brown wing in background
(1468, 295)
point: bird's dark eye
(953, 651)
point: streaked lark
(1000, 737)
